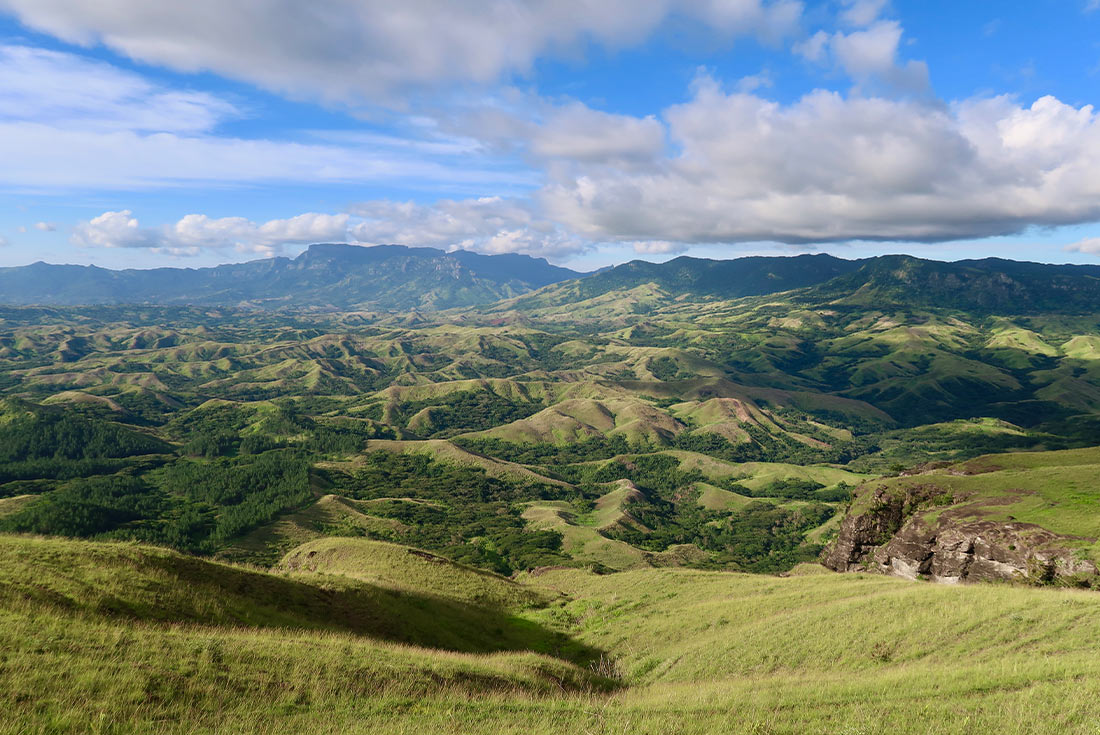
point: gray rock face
(953, 549)
(979, 551)
(862, 533)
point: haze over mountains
(396, 278)
(386, 277)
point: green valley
(499, 435)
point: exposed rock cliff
(917, 532)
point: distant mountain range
(989, 285)
(385, 277)
(724, 279)
(398, 278)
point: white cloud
(581, 133)
(1090, 245)
(68, 91)
(355, 49)
(658, 247)
(197, 232)
(862, 12)
(114, 230)
(753, 82)
(45, 226)
(38, 157)
(488, 224)
(830, 168)
(870, 51)
(70, 122)
(3, 241)
(815, 48)
(305, 228)
(868, 55)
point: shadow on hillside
(163, 587)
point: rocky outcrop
(862, 532)
(980, 551)
(895, 535)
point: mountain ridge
(340, 277)
(986, 285)
(326, 275)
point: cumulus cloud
(487, 224)
(830, 168)
(868, 51)
(815, 48)
(3, 241)
(867, 55)
(579, 132)
(197, 232)
(114, 230)
(354, 49)
(862, 12)
(45, 226)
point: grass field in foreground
(694, 652)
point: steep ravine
(921, 533)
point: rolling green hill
(152, 585)
(412, 571)
(743, 400)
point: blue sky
(589, 132)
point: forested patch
(463, 512)
(463, 411)
(761, 537)
(194, 505)
(58, 435)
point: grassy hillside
(691, 652)
(329, 515)
(142, 583)
(816, 653)
(126, 639)
(408, 570)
